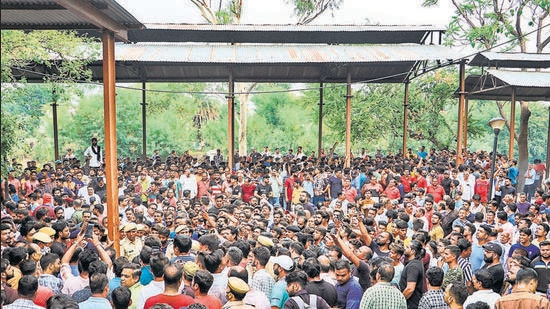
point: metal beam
(144, 119)
(348, 122)
(231, 122)
(93, 15)
(461, 100)
(405, 117)
(109, 115)
(55, 128)
(512, 124)
(320, 130)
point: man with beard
(491, 257)
(264, 188)
(299, 297)
(59, 245)
(321, 218)
(305, 201)
(380, 245)
(6, 237)
(7, 272)
(51, 265)
(523, 295)
(412, 278)
(540, 265)
(282, 266)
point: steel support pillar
(320, 130)
(512, 124)
(460, 133)
(144, 119)
(405, 117)
(348, 122)
(231, 122)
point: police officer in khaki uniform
(235, 292)
(131, 246)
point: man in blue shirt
(99, 285)
(347, 287)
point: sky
(386, 12)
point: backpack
(303, 305)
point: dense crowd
(277, 231)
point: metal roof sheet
(330, 34)
(511, 60)
(498, 85)
(261, 54)
(171, 62)
(47, 14)
(523, 79)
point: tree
(230, 12)
(485, 24)
(24, 102)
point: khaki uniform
(130, 249)
(237, 305)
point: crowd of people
(277, 231)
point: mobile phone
(89, 231)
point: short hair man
(299, 297)
(455, 295)
(383, 295)
(435, 296)
(523, 296)
(482, 284)
(28, 285)
(99, 285)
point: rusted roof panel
(171, 62)
(223, 53)
(511, 60)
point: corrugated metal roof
(511, 60)
(498, 85)
(46, 14)
(292, 28)
(523, 79)
(171, 62)
(330, 34)
(261, 54)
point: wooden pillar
(348, 122)
(548, 146)
(512, 124)
(461, 100)
(109, 109)
(55, 128)
(405, 117)
(231, 122)
(465, 136)
(144, 119)
(320, 130)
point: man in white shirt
(93, 154)
(482, 281)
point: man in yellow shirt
(436, 232)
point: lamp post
(496, 124)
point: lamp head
(497, 124)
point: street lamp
(496, 124)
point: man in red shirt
(436, 190)
(173, 274)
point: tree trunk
(523, 146)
